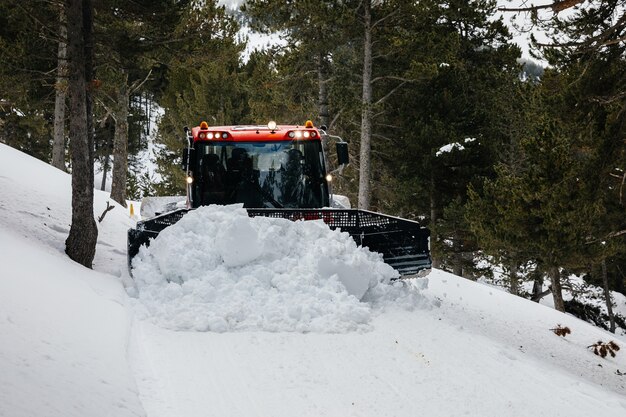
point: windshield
(261, 174)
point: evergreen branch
(52, 32)
(594, 42)
(585, 43)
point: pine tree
(544, 209)
(466, 74)
(313, 31)
(136, 39)
(28, 32)
(203, 82)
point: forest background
(511, 165)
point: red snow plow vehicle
(282, 172)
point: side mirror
(188, 156)
(342, 153)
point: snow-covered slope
(71, 343)
(63, 328)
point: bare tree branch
(134, 87)
(622, 179)
(105, 118)
(332, 122)
(392, 77)
(378, 136)
(557, 6)
(382, 19)
(110, 112)
(106, 210)
(389, 94)
(616, 234)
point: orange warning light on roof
(308, 124)
(204, 125)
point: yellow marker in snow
(132, 210)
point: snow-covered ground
(74, 343)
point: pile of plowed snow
(219, 270)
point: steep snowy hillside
(73, 343)
(63, 328)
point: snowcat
(281, 172)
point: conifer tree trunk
(58, 143)
(81, 242)
(457, 267)
(513, 281)
(457, 256)
(105, 171)
(557, 292)
(322, 78)
(433, 219)
(89, 78)
(537, 287)
(107, 156)
(120, 144)
(607, 297)
(364, 197)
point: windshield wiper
(269, 198)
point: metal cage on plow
(404, 244)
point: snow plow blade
(404, 244)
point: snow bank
(63, 336)
(219, 270)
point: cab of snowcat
(277, 174)
(261, 166)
